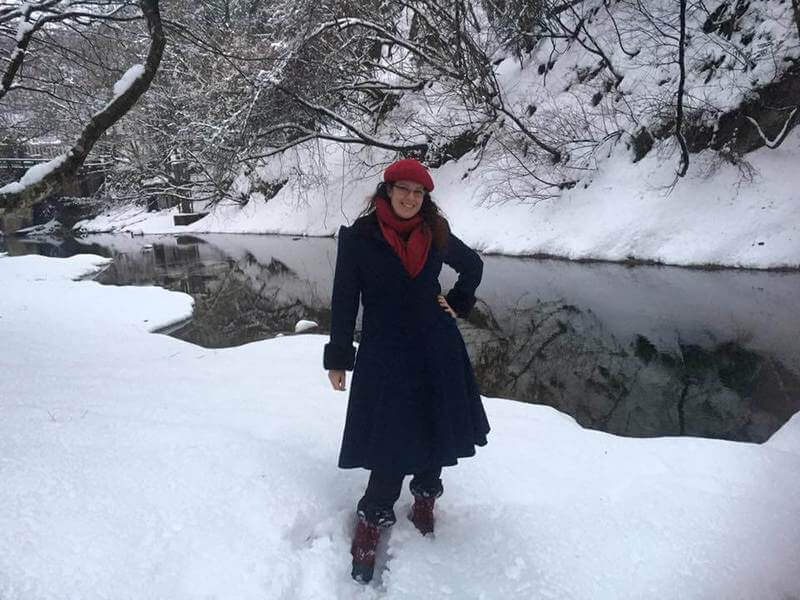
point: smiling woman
(406, 198)
(414, 405)
(408, 182)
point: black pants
(383, 490)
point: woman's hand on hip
(445, 306)
(338, 379)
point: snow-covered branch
(778, 140)
(30, 189)
(28, 26)
(365, 138)
(554, 152)
(416, 49)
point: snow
(626, 212)
(33, 175)
(49, 228)
(23, 29)
(304, 325)
(787, 438)
(214, 475)
(127, 80)
(719, 214)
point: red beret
(409, 169)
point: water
(637, 351)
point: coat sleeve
(339, 352)
(469, 266)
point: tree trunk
(684, 164)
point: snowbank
(625, 212)
(787, 438)
(139, 466)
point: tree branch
(556, 154)
(30, 189)
(787, 127)
(346, 23)
(26, 29)
(365, 138)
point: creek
(632, 350)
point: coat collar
(367, 226)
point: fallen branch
(778, 140)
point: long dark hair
(430, 212)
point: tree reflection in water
(236, 300)
(556, 354)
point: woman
(414, 405)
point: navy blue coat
(414, 403)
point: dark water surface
(638, 351)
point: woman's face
(406, 198)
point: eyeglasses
(407, 190)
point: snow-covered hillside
(625, 214)
(612, 114)
(215, 476)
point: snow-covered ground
(135, 465)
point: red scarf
(410, 238)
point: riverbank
(139, 466)
(720, 215)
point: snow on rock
(52, 226)
(127, 80)
(130, 219)
(304, 325)
(139, 465)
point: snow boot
(421, 514)
(365, 541)
(425, 492)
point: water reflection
(239, 297)
(55, 247)
(565, 357)
(635, 351)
